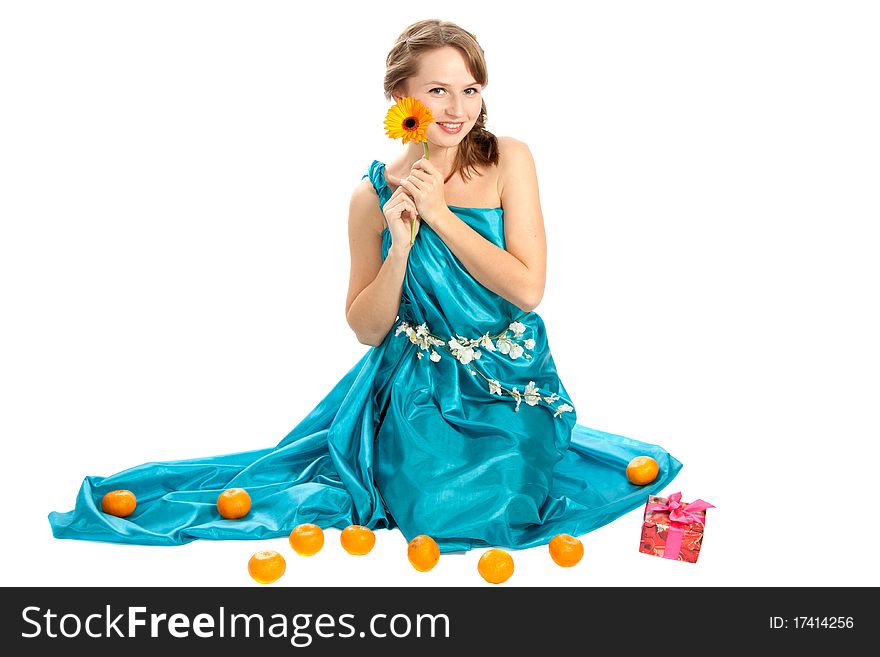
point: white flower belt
(467, 350)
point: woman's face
(446, 87)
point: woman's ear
(398, 94)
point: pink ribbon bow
(681, 516)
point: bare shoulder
(516, 166)
(364, 211)
(511, 144)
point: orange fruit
(306, 539)
(357, 539)
(495, 566)
(423, 553)
(566, 550)
(642, 470)
(120, 503)
(266, 566)
(234, 503)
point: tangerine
(496, 566)
(642, 470)
(357, 539)
(566, 550)
(306, 539)
(121, 503)
(234, 503)
(423, 553)
(266, 566)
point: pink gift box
(673, 529)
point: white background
(174, 193)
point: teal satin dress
(456, 426)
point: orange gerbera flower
(409, 119)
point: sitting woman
(454, 423)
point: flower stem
(412, 239)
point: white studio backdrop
(174, 192)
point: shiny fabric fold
(426, 440)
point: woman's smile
(451, 128)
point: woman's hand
(424, 184)
(400, 212)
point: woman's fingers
(403, 206)
(411, 183)
(406, 202)
(401, 216)
(401, 193)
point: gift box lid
(671, 510)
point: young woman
(455, 423)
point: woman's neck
(442, 157)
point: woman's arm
(374, 287)
(519, 273)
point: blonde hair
(479, 147)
